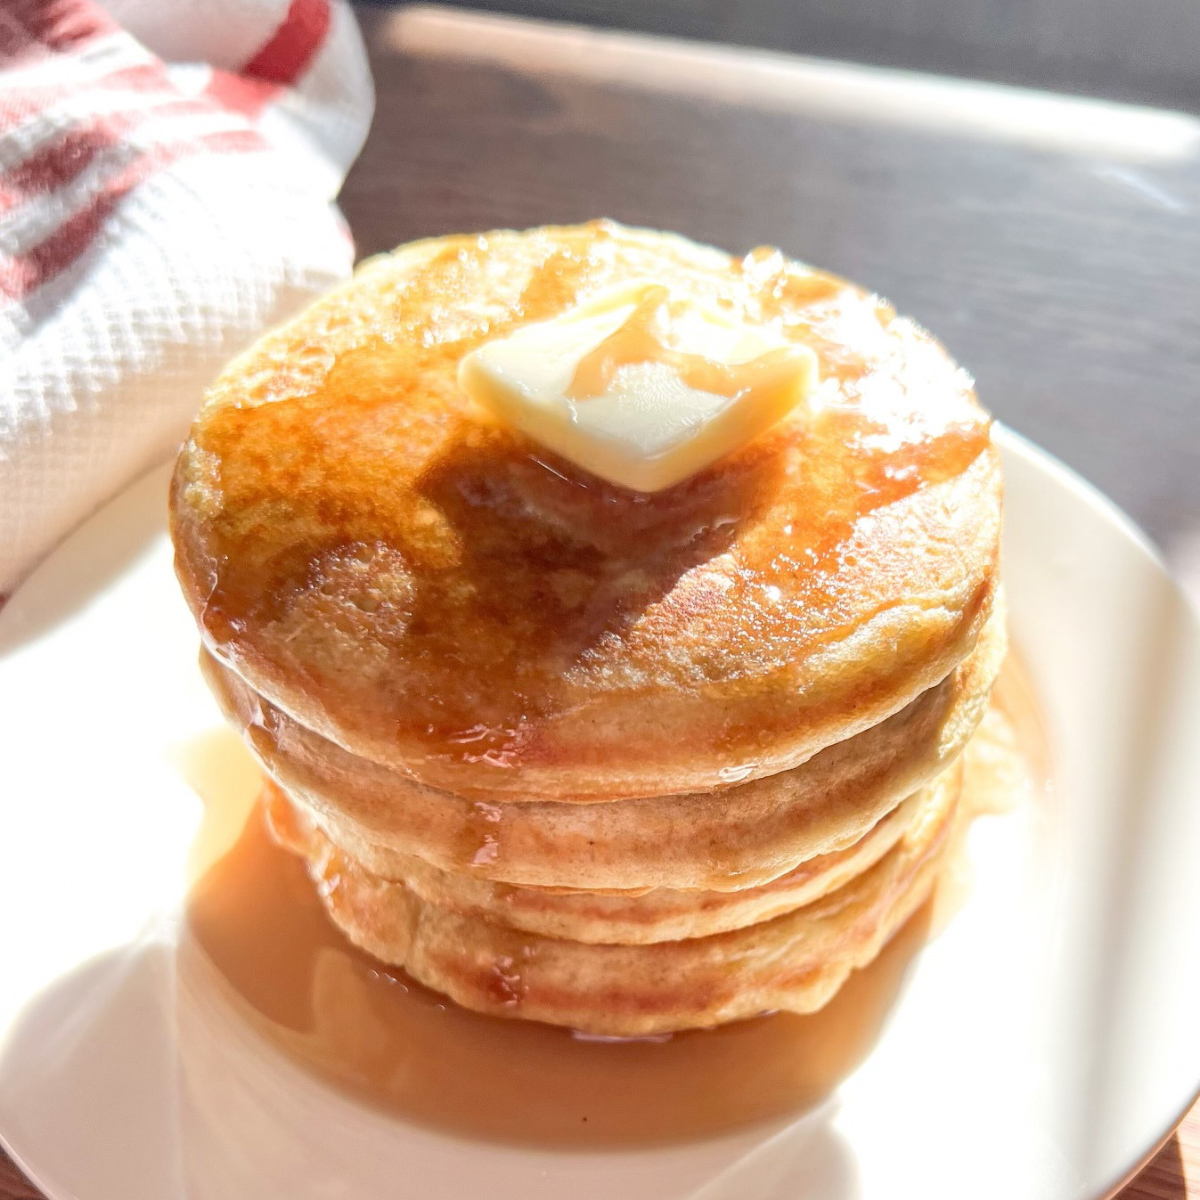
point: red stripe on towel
(291, 49)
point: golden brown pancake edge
(342, 518)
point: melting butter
(638, 386)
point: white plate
(1044, 1045)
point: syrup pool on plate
(370, 1030)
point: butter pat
(638, 386)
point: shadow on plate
(101, 552)
(249, 1042)
(258, 932)
(139, 1076)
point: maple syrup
(375, 1033)
(365, 491)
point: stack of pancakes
(620, 761)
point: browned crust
(434, 594)
(794, 962)
(636, 917)
(742, 836)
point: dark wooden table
(1053, 244)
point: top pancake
(440, 594)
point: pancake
(624, 918)
(741, 836)
(794, 962)
(436, 594)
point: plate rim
(1008, 441)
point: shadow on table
(14, 1185)
(1162, 1178)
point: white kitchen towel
(167, 177)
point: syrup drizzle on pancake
(513, 550)
(388, 1041)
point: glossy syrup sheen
(372, 1031)
(485, 582)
